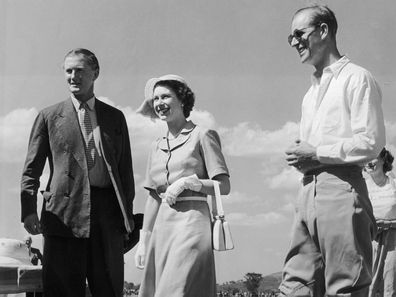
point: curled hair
(89, 57)
(322, 14)
(183, 94)
(387, 158)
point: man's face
(79, 76)
(305, 38)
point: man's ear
(96, 75)
(324, 30)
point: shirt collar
(187, 128)
(77, 103)
(174, 143)
(333, 69)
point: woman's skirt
(179, 260)
(384, 267)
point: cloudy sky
(248, 83)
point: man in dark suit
(87, 206)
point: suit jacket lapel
(102, 123)
(68, 129)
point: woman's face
(375, 166)
(166, 104)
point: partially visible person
(175, 247)
(34, 254)
(342, 128)
(381, 184)
(87, 205)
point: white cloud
(250, 140)
(145, 131)
(203, 118)
(106, 100)
(14, 134)
(259, 220)
(16, 125)
(289, 207)
(247, 139)
(239, 197)
(287, 179)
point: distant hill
(271, 281)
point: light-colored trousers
(331, 252)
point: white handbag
(221, 234)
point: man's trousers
(69, 262)
(331, 251)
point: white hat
(14, 252)
(146, 108)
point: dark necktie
(87, 132)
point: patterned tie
(87, 132)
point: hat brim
(12, 262)
(146, 108)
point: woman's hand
(185, 183)
(140, 255)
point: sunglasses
(298, 34)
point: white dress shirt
(342, 115)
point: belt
(191, 198)
(337, 170)
(384, 225)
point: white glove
(174, 190)
(140, 255)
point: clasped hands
(184, 183)
(302, 156)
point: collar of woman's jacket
(167, 144)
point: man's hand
(302, 155)
(32, 224)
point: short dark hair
(183, 93)
(322, 14)
(89, 56)
(387, 158)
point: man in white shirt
(342, 127)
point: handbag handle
(217, 204)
